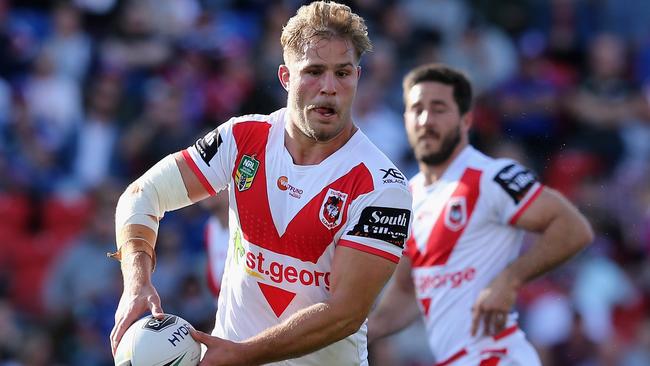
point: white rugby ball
(158, 342)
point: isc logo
(157, 325)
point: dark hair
(442, 74)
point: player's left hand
(493, 305)
(220, 351)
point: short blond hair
(324, 19)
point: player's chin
(426, 149)
(324, 133)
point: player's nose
(425, 118)
(328, 84)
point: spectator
(603, 103)
(96, 140)
(69, 46)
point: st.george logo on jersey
(456, 213)
(331, 212)
(246, 172)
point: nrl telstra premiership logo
(246, 172)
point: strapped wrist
(132, 246)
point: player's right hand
(134, 302)
(493, 304)
(220, 352)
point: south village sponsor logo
(283, 185)
(384, 223)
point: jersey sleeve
(212, 156)
(511, 188)
(379, 223)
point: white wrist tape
(145, 201)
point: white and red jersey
(216, 245)
(462, 237)
(286, 221)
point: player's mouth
(325, 112)
(427, 136)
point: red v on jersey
(442, 238)
(305, 238)
(426, 304)
(277, 298)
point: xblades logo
(392, 175)
(392, 172)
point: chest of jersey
(288, 209)
(442, 214)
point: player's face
(322, 84)
(433, 122)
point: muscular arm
(398, 306)
(357, 278)
(136, 244)
(563, 232)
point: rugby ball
(158, 342)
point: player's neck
(307, 151)
(433, 172)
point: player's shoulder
(254, 118)
(508, 175)
(251, 127)
(490, 167)
(384, 173)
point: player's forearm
(136, 270)
(565, 236)
(306, 331)
(397, 309)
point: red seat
(569, 169)
(66, 216)
(14, 214)
(30, 263)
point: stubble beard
(322, 135)
(447, 147)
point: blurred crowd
(94, 92)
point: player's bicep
(403, 277)
(357, 279)
(196, 191)
(542, 211)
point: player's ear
(283, 75)
(467, 120)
